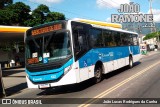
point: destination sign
(33, 60)
(46, 29)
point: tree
(21, 13)
(4, 3)
(40, 13)
(152, 35)
(6, 17)
(52, 16)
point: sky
(100, 10)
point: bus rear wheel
(98, 75)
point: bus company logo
(132, 14)
(37, 79)
(54, 76)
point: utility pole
(153, 29)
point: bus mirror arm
(49, 40)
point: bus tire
(130, 62)
(98, 74)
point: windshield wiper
(49, 40)
(35, 42)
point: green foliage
(42, 9)
(5, 17)
(4, 3)
(20, 14)
(52, 16)
(151, 35)
(39, 14)
(42, 15)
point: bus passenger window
(135, 39)
(96, 39)
(109, 38)
(125, 39)
(117, 38)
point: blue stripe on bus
(47, 77)
(48, 74)
(106, 54)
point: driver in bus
(53, 49)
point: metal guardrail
(2, 90)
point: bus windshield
(48, 48)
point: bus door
(130, 49)
(130, 44)
(133, 41)
(127, 40)
(84, 74)
(81, 48)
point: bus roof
(114, 29)
(104, 25)
(13, 29)
(99, 23)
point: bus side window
(96, 39)
(130, 39)
(135, 39)
(125, 39)
(117, 38)
(109, 38)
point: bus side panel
(136, 53)
(84, 73)
(110, 66)
(127, 60)
(76, 69)
(91, 71)
(116, 65)
(121, 62)
(112, 58)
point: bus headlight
(67, 69)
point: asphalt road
(142, 81)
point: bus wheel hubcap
(98, 73)
(131, 62)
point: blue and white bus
(71, 51)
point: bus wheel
(130, 62)
(98, 75)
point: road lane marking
(101, 95)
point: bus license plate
(44, 85)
